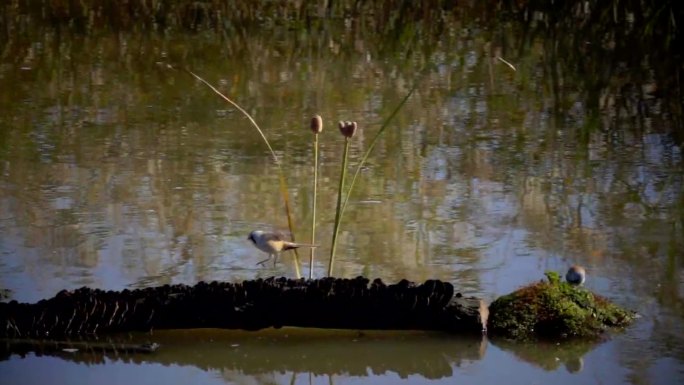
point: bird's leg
(275, 259)
(265, 260)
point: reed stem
(384, 126)
(313, 211)
(281, 175)
(338, 212)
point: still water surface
(116, 172)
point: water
(117, 172)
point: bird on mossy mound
(555, 309)
(576, 275)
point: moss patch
(554, 309)
(5, 294)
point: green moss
(554, 309)
(5, 294)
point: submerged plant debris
(555, 309)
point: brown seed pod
(348, 129)
(352, 128)
(316, 124)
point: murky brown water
(116, 172)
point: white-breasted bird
(273, 243)
(576, 275)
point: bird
(273, 243)
(576, 275)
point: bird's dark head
(253, 236)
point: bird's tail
(293, 245)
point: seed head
(348, 129)
(316, 124)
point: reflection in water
(116, 173)
(551, 355)
(317, 352)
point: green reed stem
(338, 212)
(384, 126)
(281, 175)
(342, 205)
(313, 215)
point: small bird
(576, 275)
(273, 244)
